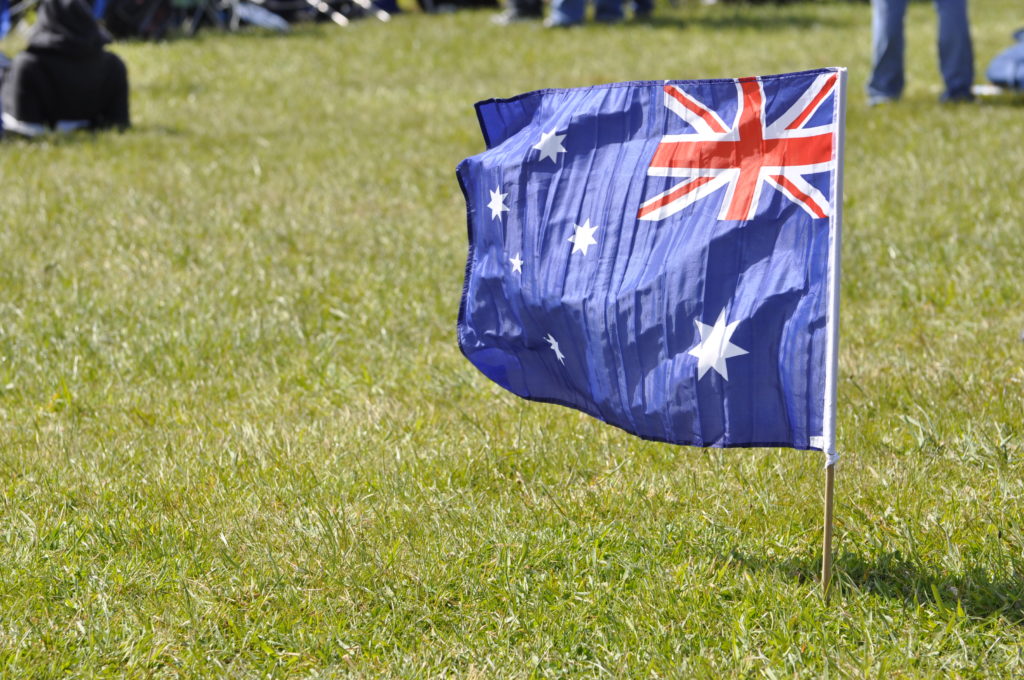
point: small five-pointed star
(497, 204)
(554, 345)
(584, 237)
(714, 347)
(517, 264)
(550, 145)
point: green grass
(237, 437)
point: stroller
(154, 18)
(338, 11)
(123, 18)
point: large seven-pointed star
(714, 347)
(550, 145)
(583, 237)
(497, 204)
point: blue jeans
(642, 7)
(956, 56)
(571, 11)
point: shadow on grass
(891, 575)
(739, 21)
(1007, 99)
(51, 138)
(159, 130)
(894, 576)
(85, 137)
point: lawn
(237, 437)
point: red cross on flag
(745, 156)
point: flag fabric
(663, 255)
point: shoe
(551, 22)
(880, 100)
(511, 16)
(958, 98)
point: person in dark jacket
(64, 79)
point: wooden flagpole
(826, 541)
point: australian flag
(663, 255)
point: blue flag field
(663, 255)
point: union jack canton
(663, 255)
(746, 155)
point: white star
(517, 263)
(550, 145)
(714, 347)
(554, 345)
(497, 204)
(583, 238)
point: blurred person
(1006, 70)
(565, 13)
(956, 54)
(519, 10)
(446, 6)
(64, 79)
